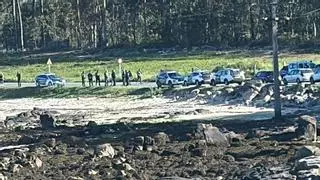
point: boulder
(308, 167)
(2, 177)
(105, 150)
(306, 127)
(306, 151)
(161, 139)
(212, 135)
(47, 121)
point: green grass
(70, 67)
(34, 92)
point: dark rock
(161, 139)
(27, 139)
(306, 127)
(92, 124)
(228, 158)
(139, 141)
(306, 151)
(47, 121)
(148, 140)
(81, 151)
(201, 152)
(61, 149)
(50, 142)
(214, 137)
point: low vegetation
(70, 68)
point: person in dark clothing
(113, 76)
(123, 77)
(105, 78)
(97, 76)
(19, 79)
(127, 78)
(1, 78)
(90, 79)
(139, 78)
(83, 79)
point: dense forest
(59, 24)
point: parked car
(197, 78)
(170, 78)
(49, 79)
(284, 71)
(298, 76)
(304, 64)
(315, 77)
(264, 76)
(227, 76)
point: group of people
(126, 78)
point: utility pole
(277, 100)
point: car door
(316, 75)
(293, 76)
(42, 79)
(217, 76)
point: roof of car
(48, 74)
(168, 71)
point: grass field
(70, 68)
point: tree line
(58, 24)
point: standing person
(113, 76)
(19, 79)
(139, 79)
(105, 78)
(1, 78)
(127, 78)
(97, 76)
(90, 76)
(83, 79)
(123, 77)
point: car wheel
(185, 83)
(212, 82)
(158, 84)
(50, 84)
(198, 83)
(170, 84)
(226, 82)
(37, 84)
(298, 81)
(312, 80)
(285, 82)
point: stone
(139, 141)
(267, 98)
(307, 167)
(201, 152)
(38, 162)
(81, 151)
(161, 139)
(148, 140)
(306, 127)
(92, 172)
(105, 150)
(214, 137)
(27, 139)
(16, 168)
(128, 167)
(306, 151)
(2, 177)
(50, 142)
(47, 121)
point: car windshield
(53, 77)
(172, 75)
